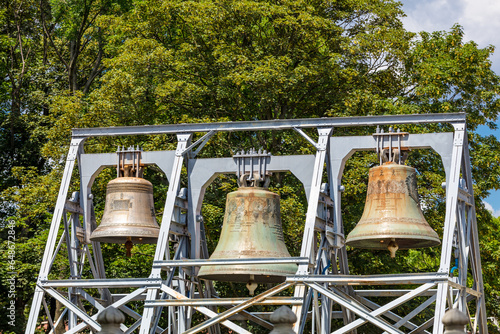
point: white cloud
(481, 24)
(489, 207)
(479, 18)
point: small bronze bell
(251, 229)
(129, 215)
(392, 218)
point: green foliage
(122, 62)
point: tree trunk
(60, 328)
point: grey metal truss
(322, 279)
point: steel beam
(54, 228)
(389, 314)
(70, 306)
(116, 304)
(242, 306)
(354, 307)
(473, 242)
(205, 311)
(394, 279)
(308, 238)
(390, 293)
(452, 186)
(228, 262)
(103, 283)
(389, 306)
(162, 243)
(416, 311)
(224, 301)
(278, 124)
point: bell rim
(274, 274)
(243, 278)
(365, 241)
(123, 239)
(113, 235)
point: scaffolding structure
(322, 279)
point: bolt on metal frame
(312, 282)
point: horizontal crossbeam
(278, 124)
(103, 283)
(224, 301)
(230, 262)
(370, 279)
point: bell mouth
(244, 278)
(122, 239)
(119, 235)
(382, 241)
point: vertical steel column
(71, 245)
(452, 185)
(464, 248)
(89, 223)
(162, 243)
(182, 316)
(474, 236)
(54, 228)
(326, 303)
(307, 240)
(336, 166)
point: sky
(480, 20)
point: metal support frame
(323, 271)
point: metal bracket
(202, 142)
(75, 142)
(130, 158)
(384, 139)
(258, 161)
(303, 134)
(320, 146)
(459, 134)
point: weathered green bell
(251, 229)
(392, 218)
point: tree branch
(58, 53)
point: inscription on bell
(392, 212)
(121, 205)
(252, 229)
(128, 213)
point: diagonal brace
(88, 320)
(116, 304)
(389, 306)
(226, 314)
(319, 146)
(204, 310)
(202, 142)
(354, 307)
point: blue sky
(481, 22)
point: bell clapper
(251, 285)
(128, 245)
(393, 247)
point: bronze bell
(392, 218)
(251, 229)
(129, 216)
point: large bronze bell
(392, 218)
(129, 215)
(251, 229)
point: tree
(157, 62)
